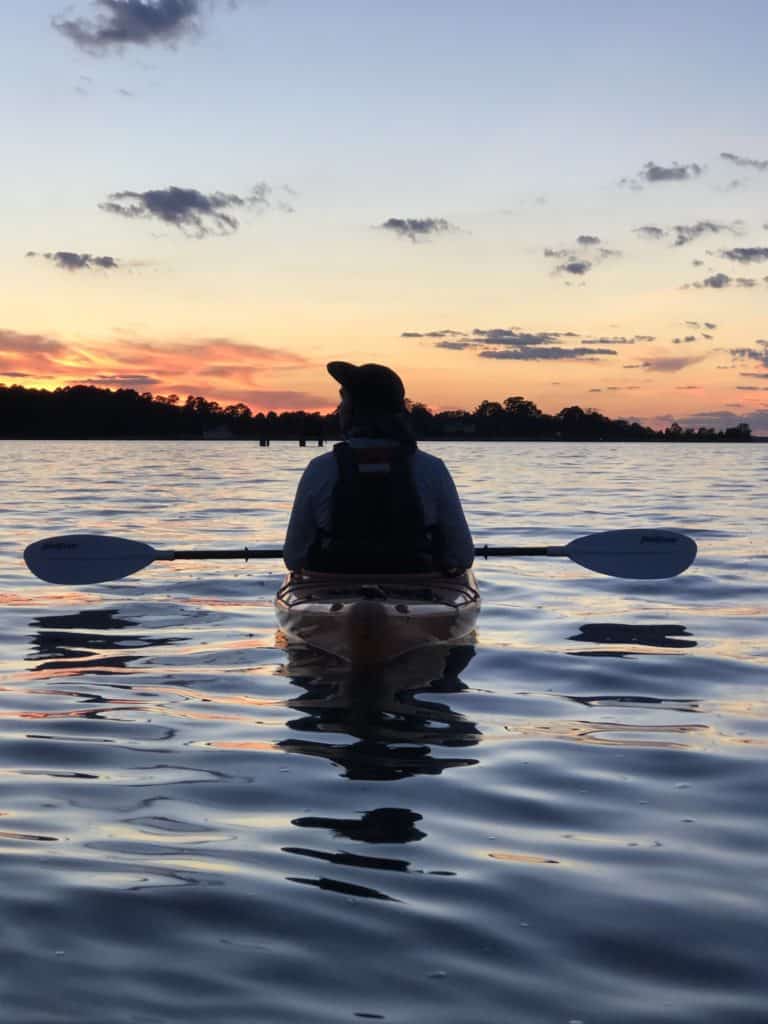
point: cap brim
(344, 373)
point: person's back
(376, 503)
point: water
(564, 821)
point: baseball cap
(370, 386)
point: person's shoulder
(321, 464)
(429, 463)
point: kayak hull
(369, 620)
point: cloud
(652, 172)
(432, 334)
(685, 233)
(12, 341)
(159, 366)
(573, 264)
(722, 419)
(77, 261)
(555, 352)
(117, 23)
(670, 364)
(748, 254)
(577, 267)
(417, 227)
(513, 343)
(758, 354)
(723, 281)
(613, 340)
(193, 212)
(136, 381)
(745, 161)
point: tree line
(86, 412)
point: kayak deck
(372, 619)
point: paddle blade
(86, 558)
(634, 554)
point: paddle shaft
(244, 553)
(488, 552)
(248, 553)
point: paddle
(94, 558)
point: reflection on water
(394, 729)
(644, 635)
(167, 856)
(76, 642)
(383, 825)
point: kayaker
(376, 503)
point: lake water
(564, 821)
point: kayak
(370, 620)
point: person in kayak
(376, 503)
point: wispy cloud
(685, 233)
(14, 342)
(417, 227)
(72, 261)
(516, 344)
(432, 334)
(670, 364)
(682, 234)
(575, 265)
(745, 161)
(757, 354)
(188, 209)
(127, 380)
(722, 419)
(540, 354)
(720, 280)
(746, 254)
(244, 372)
(118, 23)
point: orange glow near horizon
(655, 387)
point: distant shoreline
(329, 442)
(88, 413)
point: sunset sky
(566, 201)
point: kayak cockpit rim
(304, 587)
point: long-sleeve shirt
(312, 507)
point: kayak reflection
(93, 641)
(647, 635)
(393, 729)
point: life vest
(377, 519)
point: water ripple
(560, 821)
